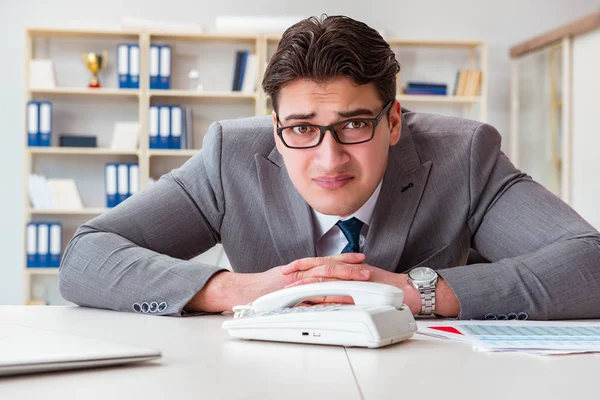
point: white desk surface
(200, 361)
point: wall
(586, 134)
(501, 24)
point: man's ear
(395, 123)
(274, 116)
(275, 137)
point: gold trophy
(95, 62)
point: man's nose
(331, 153)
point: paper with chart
(537, 337)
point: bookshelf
(79, 151)
(188, 94)
(73, 91)
(80, 110)
(405, 98)
(172, 153)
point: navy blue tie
(351, 229)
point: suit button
(153, 307)
(136, 307)
(490, 316)
(501, 317)
(512, 316)
(162, 306)
(522, 316)
(145, 307)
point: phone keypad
(302, 309)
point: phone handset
(363, 293)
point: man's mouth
(333, 181)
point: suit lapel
(403, 185)
(287, 214)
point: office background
(500, 24)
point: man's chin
(335, 208)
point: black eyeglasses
(350, 131)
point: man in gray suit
(340, 167)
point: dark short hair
(329, 47)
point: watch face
(422, 274)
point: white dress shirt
(330, 239)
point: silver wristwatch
(424, 280)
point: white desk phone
(378, 317)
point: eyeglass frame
(330, 128)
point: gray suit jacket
(447, 188)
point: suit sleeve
(140, 251)
(544, 258)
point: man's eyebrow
(343, 114)
(299, 116)
(356, 112)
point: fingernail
(364, 273)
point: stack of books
(426, 88)
(128, 65)
(160, 67)
(53, 194)
(39, 123)
(468, 82)
(171, 127)
(44, 244)
(121, 182)
(245, 72)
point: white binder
(154, 67)
(55, 244)
(176, 127)
(134, 179)
(45, 123)
(153, 127)
(32, 123)
(123, 65)
(122, 182)
(134, 65)
(31, 244)
(165, 127)
(111, 185)
(165, 67)
(43, 246)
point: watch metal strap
(427, 299)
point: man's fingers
(343, 272)
(310, 280)
(305, 264)
(335, 271)
(329, 299)
(339, 299)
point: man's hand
(227, 289)
(326, 269)
(311, 270)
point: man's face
(336, 179)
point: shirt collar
(323, 223)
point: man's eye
(356, 124)
(302, 129)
